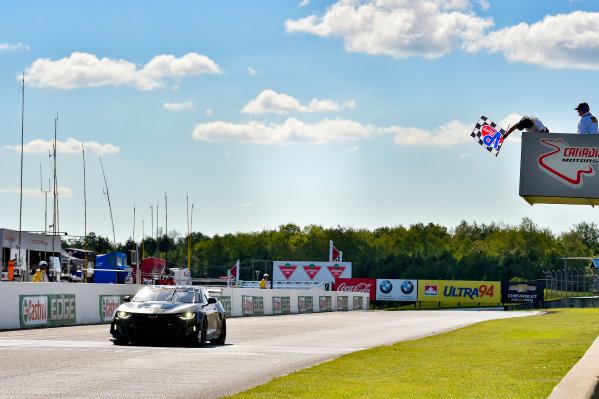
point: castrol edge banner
(558, 168)
(366, 285)
(47, 310)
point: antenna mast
(84, 215)
(46, 196)
(21, 195)
(109, 206)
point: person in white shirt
(588, 123)
(530, 123)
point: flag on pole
(233, 274)
(489, 135)
(334, 253)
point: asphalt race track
(81, 362)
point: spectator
(588, 123)
(264, 282)
(40, 275)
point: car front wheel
(201, 336)
(222, 337)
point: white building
(33, 249)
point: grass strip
(522, 357)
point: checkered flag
(489, 135)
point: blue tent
(110, 268)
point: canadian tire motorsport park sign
(559, 168)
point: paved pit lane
(81, 362)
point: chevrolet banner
(450, 291)
(522, 292)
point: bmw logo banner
(396, 290)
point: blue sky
(350, 113)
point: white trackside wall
(28, 305)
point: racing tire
(222, 337)
(202, 334)
(120, 342)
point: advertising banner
(559, 168)
(358, 303)
(343, 303)
(47, 310)
(323, 272)
(252, 305)
(305, 304)
(326, 303)
(281, 305)
(108, 305)
(396, 290)
(522, 292)
(366, 285)
(450, 291)
(225, 300)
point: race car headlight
(123, 315)
(187, 316)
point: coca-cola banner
(396, 290)
(356, 285)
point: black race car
(170, 312)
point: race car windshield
(182, 296)
(148, 294)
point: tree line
(420, 251)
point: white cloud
(559, 41)
(290, 132)
(400, 28)
(177, 106)
(448, 135)
(270, 101)
(246, 204)
(304, 3)
(465, 155)
(294, 131)
(63, 192)
(18, 46)
(353, 149)
(484, 4)
(209, 112)
(86, 70)
(252, 71)
(70, 146)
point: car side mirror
(126, 298)
(211, 301)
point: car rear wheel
(222, 337)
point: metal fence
(570, 282)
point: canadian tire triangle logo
(336, 270)
(287, 270)
(312, 270)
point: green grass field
(512, 358)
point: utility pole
(46, 200)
